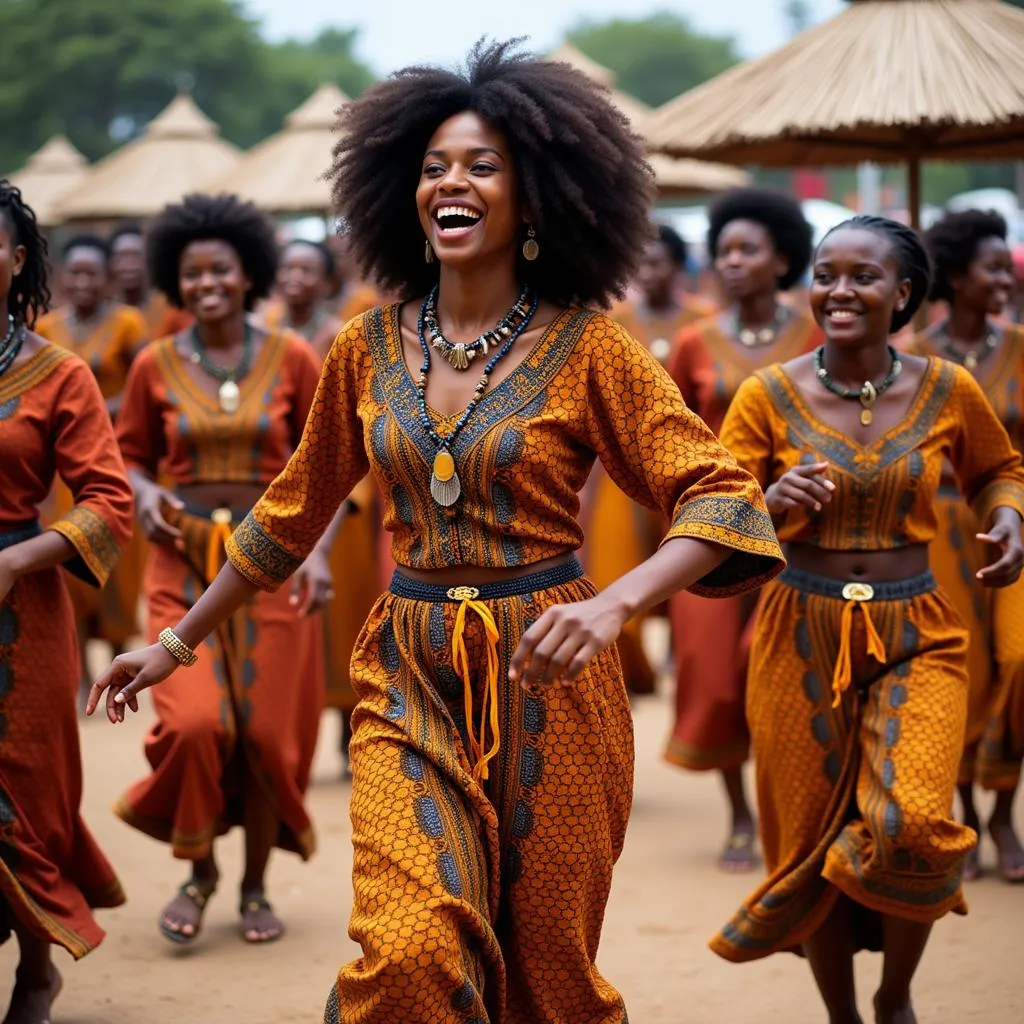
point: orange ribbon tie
(843, 675)
(219, 536)
(460, 657)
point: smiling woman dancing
(488, 803)
(857, 693)
(53, 422)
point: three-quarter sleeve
(140, 432)
(276, 536)
(87, 459)
(987, 467)
(664, 456)
(747, 433)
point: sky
(394, 33)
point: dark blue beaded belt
(843, 590)
(544, 579)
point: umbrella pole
(914, 188)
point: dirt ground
(667, 900)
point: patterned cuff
(97, 550)
(732, 523)
(258, 557)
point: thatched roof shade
(883, 80)
(179, 152)
(284, 173)
(48, 176)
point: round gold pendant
(229, 396)
(445, 486)
(866, 417)
(661, 349)
(970, 362)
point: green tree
(655, 58)
(99, 70)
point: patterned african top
(709, 367)
(53, 422)
(1000, 375)
(110, 346)
(586, 391)
(885, 491)
(170, 426)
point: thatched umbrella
(180, 151)
(284, 173)
(674, 178)
(885, 80)
(48, 176)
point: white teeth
(842, 314)
(457, 211)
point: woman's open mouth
(456, 221)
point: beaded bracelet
(179, 650)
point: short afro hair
(674, 244)
(127, 230)
(952, 243)
(582, 175)
(29, 296)
(912, 262)
(224, 218)
(780, 215)
(93, 242)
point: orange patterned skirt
(480, 895)
(247, 711)
(855, 794)
(51, 870)
(994, 745)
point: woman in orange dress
(761, 245)
(488, 803)
(107, 335)
(857, 696)
(304, 278)
(619, 533)
(974, 276)
(52, 423)
(217, 410)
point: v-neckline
(394, 313)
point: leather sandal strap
(253, 904)
(200, 897)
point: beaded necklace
(445, 486)
(868, 392)
(11, 344)
(974, 355)
(460, 354)
(750, 338)
(228, 394)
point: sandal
(198, 897)
(739, 855)
(257, 903)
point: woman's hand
(565, 639)
(312, 584)
(150, 501)
(1004, 534)
(801, 486)
(128, 675)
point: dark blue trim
(889, 590)
(17, 534)
(559, 575)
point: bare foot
(738, 854)
(972, 862)
(30, 1002)
(895, 1013)
(1011, 853)
(259, 923)
(182, 918)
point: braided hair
(29, 296)
(912, 260)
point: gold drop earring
(531, 250)
(428, 253)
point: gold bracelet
(180, 650)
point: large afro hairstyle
(584, 183)
(952, 242)
(29, 296)
(780, 215)
(225, 218)
(912, 262)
